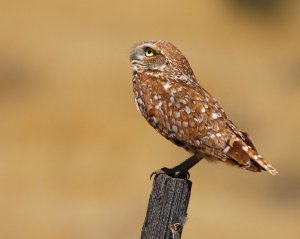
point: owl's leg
(181, 170)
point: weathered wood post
(167, 208)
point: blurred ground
(75, 155)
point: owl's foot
(172, 172)
(181, 170)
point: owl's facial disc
(146, 57)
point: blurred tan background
(75, 155)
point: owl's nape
(170, 98)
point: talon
(151, 175)
(186, 174)
(172, 173)
(182, 174)
(158, 172)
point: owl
(169, 97)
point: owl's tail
(243, 154)
(265, 164)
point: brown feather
(237, 153)
(170, 98)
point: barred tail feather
(246, 156)
(264, 164)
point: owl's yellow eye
(149, 52)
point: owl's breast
(152, 108)
(168, 114)
(153, 103)
(181, 114)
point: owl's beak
(133, 55)
(136, 54)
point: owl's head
(160, 57)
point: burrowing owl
(168, 95)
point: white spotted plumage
(170, 98)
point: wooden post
(167, 208)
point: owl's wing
(204, 122)
(212, 131)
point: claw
(157, 172)
(171, 172)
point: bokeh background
(75, 155)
